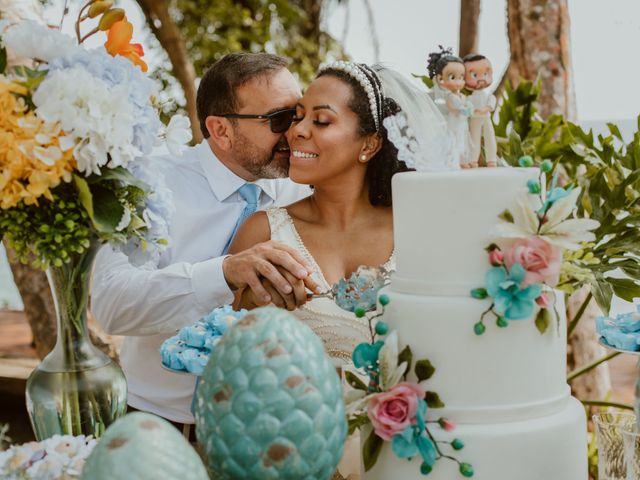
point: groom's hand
(249, 267)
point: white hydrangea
(97, 117)
(177, 134)
(29, 39)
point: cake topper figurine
(449, 72)
(478, 77)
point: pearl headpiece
(367, 80)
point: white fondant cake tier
(507, 374)
(441, 225)
(553, 447)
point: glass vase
(76, 389)
(631, 439)
(611, 457)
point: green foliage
(49, 232)
(46, 234)
(4, 438)
(371, 450)
(288, 28)
(605, 169)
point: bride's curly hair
(384, 164)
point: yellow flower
(31, 160)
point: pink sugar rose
(540, 259)
(393, 411)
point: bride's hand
(247, 298)
(268, 260)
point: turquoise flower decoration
(510, 299)
(361, 289)
(414, 440)
(554, 194)
(365, 355)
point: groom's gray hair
(217, 89)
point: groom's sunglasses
(279, 121)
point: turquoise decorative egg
(269, 404)
(141, 446)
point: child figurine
(478, 76)
(448, 70)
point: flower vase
(77, 389)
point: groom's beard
(263, 163)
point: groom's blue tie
(250, 193)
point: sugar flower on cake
(512, 299)
(387, 406)
(528, 256)
(553, 226)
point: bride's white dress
(339, 330)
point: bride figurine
(448, 70)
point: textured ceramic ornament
(269, 404)
(141, 446)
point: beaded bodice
(339, 330)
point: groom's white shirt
(148, 304)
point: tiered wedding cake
(506, 389)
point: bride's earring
(363, 158)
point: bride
(348, 139)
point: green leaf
(119, 174)
(371, 450)
(84, 194)
(542, 320)
(354, 381)
(615, 131)
(3, 59)
(625, 288)
(506, 216)
(357, 422)
(433, 400)
(406, 356)
(602, 292)
(424, 370)
(107, 209)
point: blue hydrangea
(118, 71)
(158, 210)
(510, 299)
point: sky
(604, 36)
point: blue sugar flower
(510, 299)
(414, 440)
(554, 194)
(361, 289)
(365, 355)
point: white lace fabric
(339, 330)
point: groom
(245, 104)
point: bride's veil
(421, 139)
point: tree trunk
(169, 36)
(469, 17)
(40, 310)
(539, 42)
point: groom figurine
(478, 77)
(246, 103)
